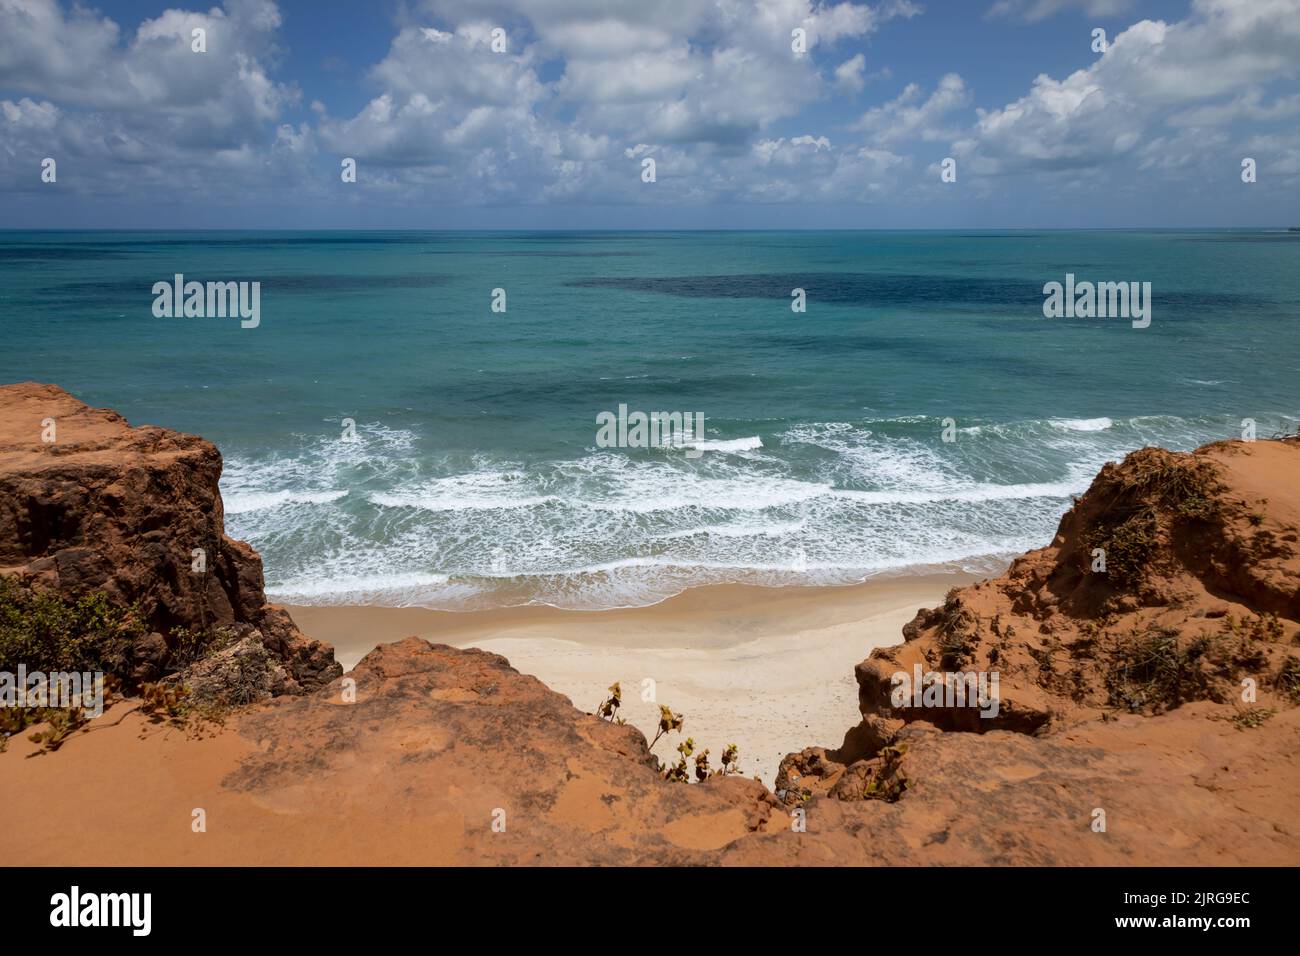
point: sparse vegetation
(1129, 547)
(48, 631)
(1153, 491)
(608, 709)
(1252, 717)
(246, 680)
(190, 645)
(1263, 627)
(14, 720)
(670, 723)
(45, 631)
(163, 702)
(958, 633)
(1183, 484)
(678, 772)
(1153, 669)
(173, 704)
(63, 723)
(887, 782)
(1287, 680)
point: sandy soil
(768, 669)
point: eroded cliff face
(1118, 692)
(88, 503)
(1169, 598)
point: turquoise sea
(475, 478)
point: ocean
(391, 439)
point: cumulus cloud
(1150, 72)
(701, 81)
(138, 109)
(448, 100)
(585, 89)
(848, 75)
(81, 57)
(908, 116)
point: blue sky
(744, 131)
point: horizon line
(1278, 228)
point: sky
(757, 114)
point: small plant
(1248, 718)
(1130, 547)
(668, 723)
(163, 703)
(729, 756)
(63, 723)
(14, 720)
(887, 781)
(677, 772)
(680, 771)
(1154, 669)
(1288, 679)
(958, 633)
(702, 765)
(609, 707)
(1252, 717)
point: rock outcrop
(1174, 580)
(88, 503)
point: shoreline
(768, 669)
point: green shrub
(48, 632)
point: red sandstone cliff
(120, 510)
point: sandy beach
(768, 669)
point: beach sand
(768, 669)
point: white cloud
(1153, 68)
(699, 80)
(139, 110)
(848, 75)
(587, 88)
(908, 117)
(1250, 105)
(80, 57)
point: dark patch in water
(547, 254)
(833, 287)
(291, 283)
(1246, 237)
(41, 253)
(891, 291)
(263, 241)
